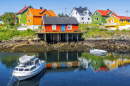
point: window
(96, 19)
(88, 18)
(69, 27)
(106, 18)
(45, 15)
(96, 14)
(82, 18)
(31, 20)
(85, 12)
(28, 21)
(26, 69)
(33, 67)
(122, 21)
(76, 12)
(110, 14)
(20, 20)
(112, 17)
(129, 21)
(28, 15)
(53, 27)
(112, 21)
(20, 69)
(16, 69)
(36, 61)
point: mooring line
(10, 81)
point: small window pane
(26, 69)
(69, 27)
(20, 69)
(54, 27)
(16, 69)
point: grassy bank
(6, 34)
(94, 30)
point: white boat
(98, 52)
(28, 67)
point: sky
(58, 6)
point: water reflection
(30, 82)
(64, 63)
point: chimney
(80, 7)
(107, 9)
(24, 5)
(40, 7)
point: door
(63, 28)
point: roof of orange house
(52, 13)
(23, 9)
(123, 17)
(102, 68)
(105, 12)
(37, 12)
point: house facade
(34, 17)
(101, 16)
(59, 29)
(83, 15)
(118, 22)
(21, 15)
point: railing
(41, 30)
(111, 24)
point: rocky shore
(41, 46)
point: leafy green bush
(40, 27)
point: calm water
(70, 69)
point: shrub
(40, 27)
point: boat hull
(23, 76)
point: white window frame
(53, 27)
(96, 19)
(28, 21)
(112, 21)
(70, 27)
(45, 14)
(82, 18)
(30, 14)
(96, 14)
(122, 21)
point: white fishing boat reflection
(34, 81)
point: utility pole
(127, 13)
(65, 12)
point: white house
(83, 15)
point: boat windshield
(16, 69)
(20, 69)
(26, 69)
(33, 67)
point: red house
(60, 24)
(59, 29)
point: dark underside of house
(60, 37)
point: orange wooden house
(34, 17)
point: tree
(62, 15)
(8, 18)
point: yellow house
(118, 22)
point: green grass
(94, 30)
(6, 34)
